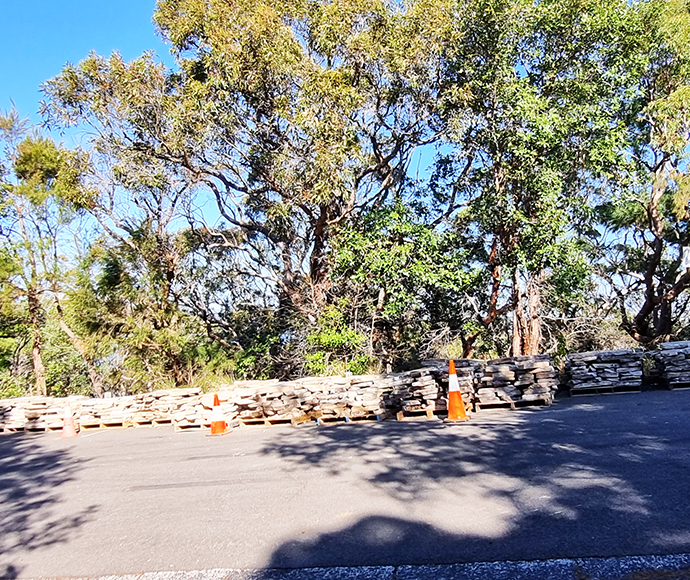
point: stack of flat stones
(158, 407)
(47, 413)
(496, 385)
(36, 414)
(146, 409)
(308, 399)
(612, 371)
(398, 389)
(338, 397)
(30, 414)
(674, 359)
(423, 392)
(536, 377)
(302, 400)
(521, 379)
(504, 382)
(194, 410)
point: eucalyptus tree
(532, 110)
(129, 282)
(42, 191)
(639, 250)
(292, 116)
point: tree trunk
(527, 317)
(532, 339)
(494, 310)
(37, 346)
(653, 321)
(468, 345)
(317, 260)
(178, 370)
(80, 347)
(374, 333)
(78, 343)
(519, 323)
(663, 320)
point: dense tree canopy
(321, 187)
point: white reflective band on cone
(217, 415)
(453, 384)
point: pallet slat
(542, 402)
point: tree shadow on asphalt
(380, 540)
(586, 479)
(30, 478)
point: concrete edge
(668, 567)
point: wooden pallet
(329, 420)
(264, 422)
(512, 405)
(358, 419)
(107, 424)
(369, 418)
(540, 402)
(116, 424)
(35, 428)
(421, 414)
(190, 427)
(604, 391)
(678, 386)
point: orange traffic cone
(218, 424)
(456, 406)
(68, 428)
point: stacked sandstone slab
(30, 414)
(373, 397)
(421, 391)
(309, 399)
(673, 360)
(47, 413)
(518, 381)
(605, 372)
(155, 408)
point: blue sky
(40, 36)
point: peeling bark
(37, 342)
(527, 316)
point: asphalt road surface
(592, 477)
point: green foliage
(393, 249)
(622, 214)
(571, 277)
(335, 347)
(11, 387)
(559, 192)
(66, 372)
(259, 338)
(404, 278)
(37, 160)
(645, 227)
(42, 190)
(321, 363)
